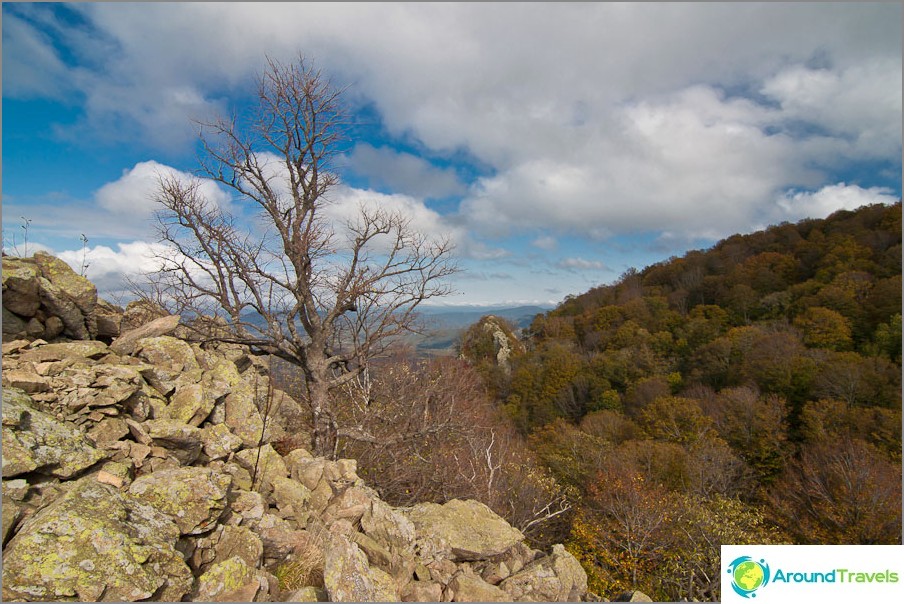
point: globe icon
(748, 575)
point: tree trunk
(324, 434)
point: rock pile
(138, 465)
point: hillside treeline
(749, 393)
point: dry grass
(304, 568)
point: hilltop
(140, 464)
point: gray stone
(465, 529)
(193, 497)
(468, 587)
(128, 341)
(348, 577)
(180, 439)
(33, 440)
(20, 287)
(558, 577)
(92, 544)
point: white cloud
(861, 103)
(133, 194)
(587, 119)
(795, 205)
(110, 269)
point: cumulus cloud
(795, 205)
(861, 103)
(133, 193)
(586, 119)
(111, 269)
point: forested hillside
(748, 393)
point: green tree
(824, 328)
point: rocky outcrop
(137, 465)
(48, 297)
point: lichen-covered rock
(190, 404)
(463, 529)
(348, 577)
(225, 542)
(193, 497)
(350, 504)
(264, 464)
(388, 526)
(170, 356)
(218, 442)
(557, 577)
(242, 416)
(67, 295)
(20, 286)
(33, 440)
(291, 497)
(127, 342)
(224, 579)
(84, 349)
(91, 544)
(10, 517)
(182, 440)
(138, 313)
(422, 591)
(632, 596)
(468, 587)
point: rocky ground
(138, 465)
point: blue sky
(559, 144)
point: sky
(558, 144)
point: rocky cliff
(139, 465)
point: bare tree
(270, 267)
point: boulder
(557, 577)
(109, 318)
(83, 350)
(194, 498)
(168, 354)
(11, 512)
(264, 464)
(33, 440)
(181, 440)
(218, 442)
(20, 287)
(309, 594)
(92, 544)
(232, 580)
(67, 295)
(422, 591)
(348, 577)
(468, 587)
(291, 497)
(13, 325)
(225, 542)
(388, 526)
(191, 403)
(138, 313)
(26, 381)
(463, 529)
(242, 416)
(632, 596)
(127, 342)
